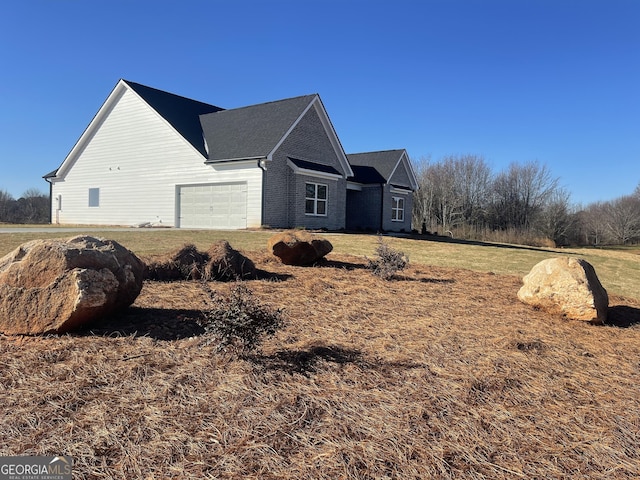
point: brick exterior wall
(363, 211)
(284, 191)
(393, 226)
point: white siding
(137, 160)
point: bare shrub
(221, 262)
(184, 263)
(239, 321)
(388, 262)
(227, 264)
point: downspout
(381, 229)
(50, 199)
(262, 164)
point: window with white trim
(94, 197)
(315, 199)
(397, 209)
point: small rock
(567, 286)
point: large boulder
(297, 247)
(566, 286)
(53, 286)
(227, 264)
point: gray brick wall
(363, 208)
(284, 191)
(393, 226)
(335, 218)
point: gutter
(229, 160)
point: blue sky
(553, 81)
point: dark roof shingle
(317, 167)
(253, 131)
(374, 167)
(181, 112)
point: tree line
(461, 196)
(31, 207)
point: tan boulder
(566, 286)
(53, 286)
(297, 247)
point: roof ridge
(272, 102)
(378, 151)
(164, 92)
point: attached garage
(218, 205)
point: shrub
(388, 262)
(239, 321)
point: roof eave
(313, 173)
(97, 119)
(239, 159)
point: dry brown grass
(441, 373)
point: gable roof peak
(252, 131)
(182, 113)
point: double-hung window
(315, 199)
(397, 209)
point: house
(152, 157)
(380, 193)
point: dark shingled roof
(382, 162)
(251, 132)
(318, 167)
(366, 174)
(181, 112)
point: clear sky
(557, 81)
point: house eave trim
(401, 190)
(313, 173)
(229, 160)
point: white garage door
(220, 205)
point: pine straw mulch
(440, 373)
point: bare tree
(452, 193)
(33, 206)
(423, 198)
(623, 219)
(556, 219)
(594, 223)
(519, 194)
(448, 204)
(6, 203)
(473, 179)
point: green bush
(239, 321)
(388, 262)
